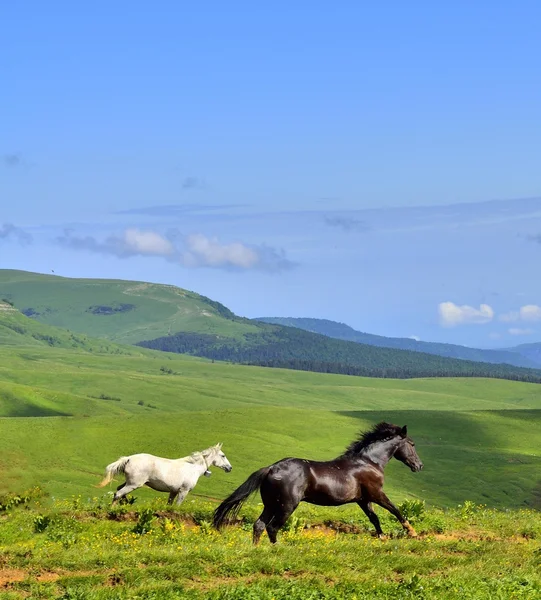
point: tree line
(290, 348)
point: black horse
(355, 476)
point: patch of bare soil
(8, 576)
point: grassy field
(68, 409)
(85, 550)
(139, 310)
(475, 436)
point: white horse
(178, 477)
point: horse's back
(328, 483)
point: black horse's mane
(381, 431)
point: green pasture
(157, 309)
(69, 405)
(65, 414)
(75, 549)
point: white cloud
(195, 250)
(529, 313)
(202, 251)
(147, 243)
(132, 242)
(415, 337)
(518, 331)
(451, 314)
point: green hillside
(341, 331)
(291, 348)
(165, 317)
(67, 412)
(122, 311)
(18, 330)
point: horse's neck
(381, 453)
(201, 462)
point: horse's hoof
(383, 537)
(412, 533)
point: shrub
(144, 521)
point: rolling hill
(121, 311)
(66, 412)
(17, 329)
(165, 317)
(526, 355)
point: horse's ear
(219, 446)
(404, 431)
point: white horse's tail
(113, 469)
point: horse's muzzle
(417, 468)
(228, 469)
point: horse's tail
(230, 507)
(113, 469)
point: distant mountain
(531, 352)
(527, 357)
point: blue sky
(271, 156)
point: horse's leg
(118, 490)
(384, 502)
(171, 497)
(260, 524)
(125, 490)
(181, 494)
(278, 520)
(374, 519)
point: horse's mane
(381, 431)
(195, 456)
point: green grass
(69, 405)
(157, 309)
(18, 330)
(78, 549)
(475, 436)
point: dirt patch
(133, 516)
(340, 527)
(8, 576)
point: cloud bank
(9, 231)
(193, 251)
(452, 315)
(132, 242)
(529, 313)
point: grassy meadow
(140, 311)
(475, 436)
(78, 549)
(68, 410)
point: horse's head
(406, 453)
(219, 459)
